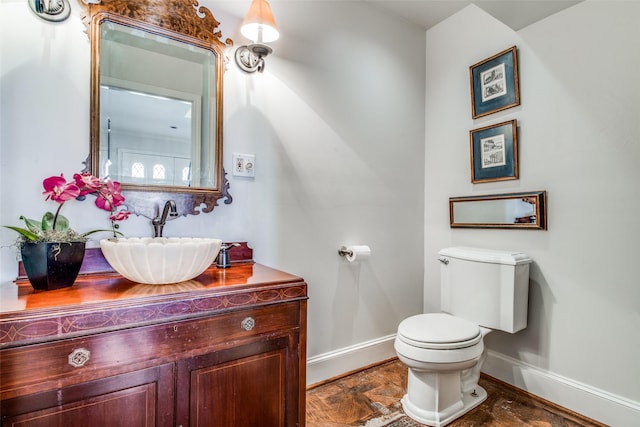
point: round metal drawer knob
(248, 323)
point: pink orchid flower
(57, 189)
(120, 216)
(87, 183)
(109, 197)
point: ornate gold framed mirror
(513, 210)
(156, 102)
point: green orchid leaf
(98, 231)
(47, 221)
(62, 223)
(33, 225)
(27, 234)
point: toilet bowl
(481, 290)
(444, 355)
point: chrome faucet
(159, 221)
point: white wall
(336, 124)
(579, 131)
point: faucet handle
(223, 260)
(228, 246)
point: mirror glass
(157, 109)
(514, 210)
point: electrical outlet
(244, 165)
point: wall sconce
(51, 10)
(259, 27)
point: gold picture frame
(495, 84)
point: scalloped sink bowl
(160, 260)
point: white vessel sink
(160, 260)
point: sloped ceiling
(517, 14)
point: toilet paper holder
(355, 253)
(344, 251)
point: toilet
(481, 290)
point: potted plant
(52, 252)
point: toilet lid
(439, 331)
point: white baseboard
(332, 364)
(582, 398)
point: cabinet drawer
(234, 326)
(53, 365)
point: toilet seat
(439, 331)
(438, 339)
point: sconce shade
(259, 24)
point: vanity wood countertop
(107, 302)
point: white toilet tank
(488, 287)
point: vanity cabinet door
(244, 386)
(249, 373)
(141, 398)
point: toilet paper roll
(358, 253)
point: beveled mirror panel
(513, 210)
(156, 102)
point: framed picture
(494, 83)
(494, 152)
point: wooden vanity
(227, 348)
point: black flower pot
(52, 265)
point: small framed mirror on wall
(513, 210)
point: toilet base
(438, 419)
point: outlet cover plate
(244, 165)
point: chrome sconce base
(250, 58)
(51, 10)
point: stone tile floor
(371, 398)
